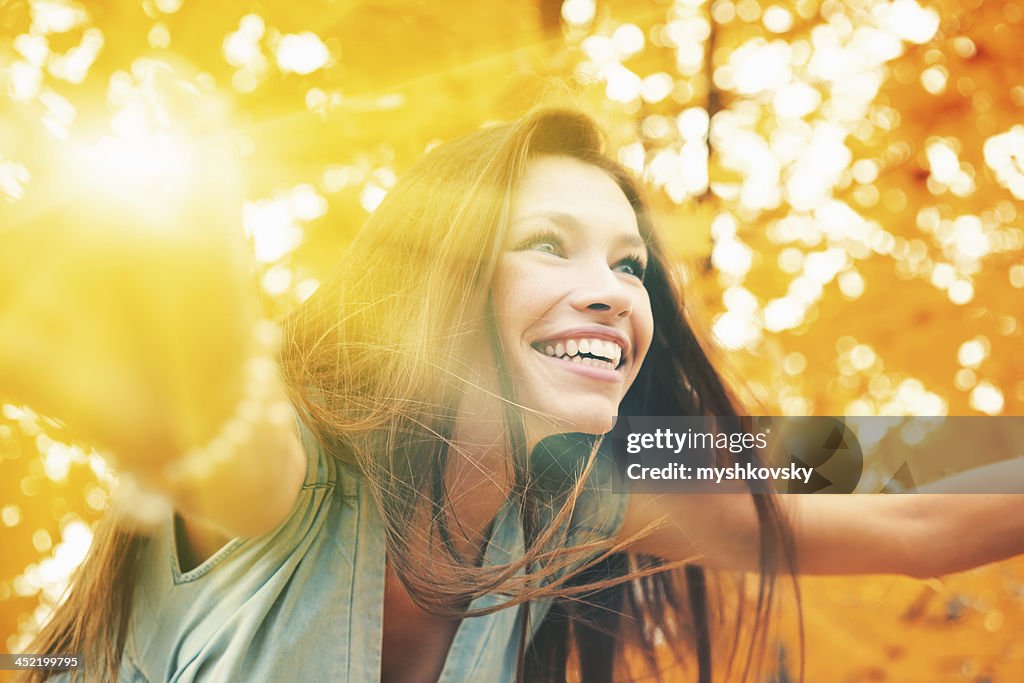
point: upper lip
(591, 332)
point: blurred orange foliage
(841, 182)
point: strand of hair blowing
(93, 620)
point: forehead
(563, 185)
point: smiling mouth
(596, 353)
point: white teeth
(610, 353)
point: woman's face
(573, 317)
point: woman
(441, 509)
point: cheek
(643, 326)
(519, 299)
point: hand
(126, 301)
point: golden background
(840, 180)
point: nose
(600, 289)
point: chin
(597, 427)
(597, 421)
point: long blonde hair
(376, 359)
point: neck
(478, 475)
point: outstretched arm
(927, 534)
(127, 308)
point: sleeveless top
(305, 601)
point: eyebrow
(574, 224)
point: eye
(545, 242)
(632, 265)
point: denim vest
(305, 602)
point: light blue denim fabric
(304, 602)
